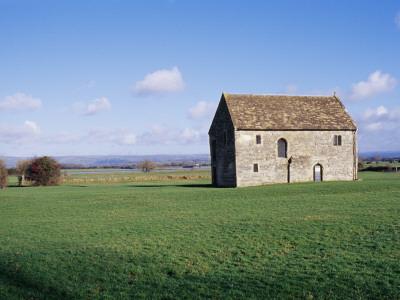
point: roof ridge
(287, 112)
(279, 95)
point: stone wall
(222, 142)
(305, 149)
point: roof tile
(276, 112)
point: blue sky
(144, 77)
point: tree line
(128, 166)
(378, 163)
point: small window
(225, 137)
(258, 139)
(214, 150)
(255, 168)
(337, 140)
(282, 148)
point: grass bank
(184, 239)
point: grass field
(181, 238)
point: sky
(110, 77)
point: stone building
(265, 139)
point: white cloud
(194, 136)
(20, 102)
(161, 82)
(291, 89)
(379, 119)
(159, 128)
(190, 136)
(64, 137)
(94, 107)
(21, 134)
(376, 83)
(98, 105)
(126, 139)
(32, 125)
(374, 114)
(397, 19)
(395, 114)
(202, 110)
(376, 126)
(157, 135)
(379, 129)
(162, 135)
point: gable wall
(306, 148)
(224, 165)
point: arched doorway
(317, 173)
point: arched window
(282, 148)
(317, 173)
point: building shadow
(29, 287)
(174, 185)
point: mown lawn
(185, 239)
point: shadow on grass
(174, 185)
(29, 288)
(31, 186)
(16, 186)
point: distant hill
(390, 154)
(99, 160)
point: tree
(147, 165)
(360, 163)
(22, 168)
(44, 171)
(3, 175)
(377, 158)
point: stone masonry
(245, 154)
(305, 149)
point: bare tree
(360, 163)
(147, 165)
(22, 168)
(377, 158)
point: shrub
(3, 175)
(44, 171)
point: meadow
(170, 237)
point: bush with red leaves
(44, 171)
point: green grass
(381, 164)
(104, 174)
(184, 239)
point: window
(337, 140)
(255, 168)
(225, 138)
(214, 150)
(258, 139)
(282, 148)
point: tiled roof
(274, 112)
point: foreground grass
(184, 239)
